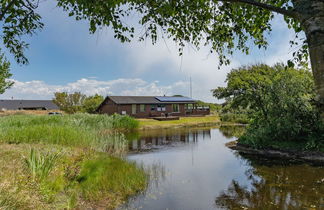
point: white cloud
(41, 90)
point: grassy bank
(182, 122)
(63, 162)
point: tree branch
(266, 6)
(4, 11)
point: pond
(192, 169)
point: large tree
(222, 25)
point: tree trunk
(312, 21)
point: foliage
(70, 103)
(223, 25)
(91, 103)
(40, 165)
(213, 107)
(77, 102)
(18, 19)
(4, 74)
(234, 118)
(281, 104)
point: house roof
(21, 104)
(150, 100)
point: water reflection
(230, 131)
(192, 169)
(275, 184)
(153, 139)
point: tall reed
(40, 165)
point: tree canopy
(4, 74)
(224, 26)
(280, 102)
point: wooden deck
(166, 118)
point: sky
(64, 56)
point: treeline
(279, 103)
(77, 102)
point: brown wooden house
(151, 106)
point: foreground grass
(182, 122)
(88, 170)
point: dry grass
(182, 122)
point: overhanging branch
(265, 6)
(4, 10)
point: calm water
(192, 169)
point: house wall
(110, 108)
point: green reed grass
(40, 164)
(83, 130)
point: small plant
(40, 165)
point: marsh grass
(40, 164)
(88, 172)
(99, 132)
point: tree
(259, 87)
(4, 74)
(224, 25)
(280, 102)
(91, 103)
(70, 103)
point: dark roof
(150, 100)
(25, 104)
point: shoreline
(184, 122)
(306, 156)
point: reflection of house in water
(149, 142)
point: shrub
(40, 165)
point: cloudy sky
(65, 57)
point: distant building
(27, 105)
(151, 106)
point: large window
(142, 108)
(153, 107)
(161, 108)
(175, 107)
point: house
(27, 105)
(151, 106)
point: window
(175, 107)
(152, 107)
(161, 108)
(142, 108)
(189, 106)
(133, 108)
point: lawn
(182, 122)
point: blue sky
(65, 57)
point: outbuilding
(27, 105)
